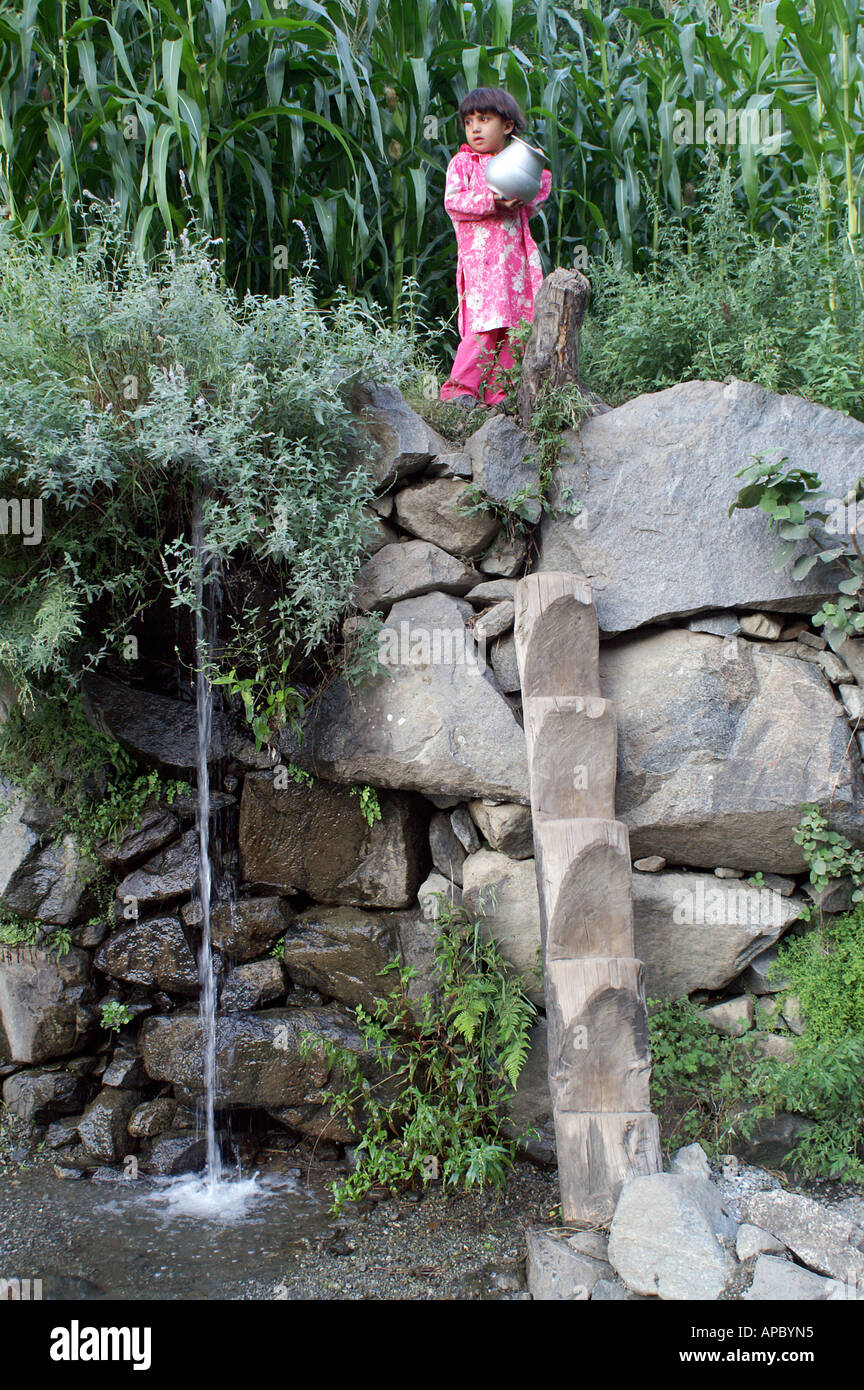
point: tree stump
(599, 1063)
(552, 351)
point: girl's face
(486, 132)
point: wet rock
(402, 441)
(153, 952)
(152, 1117)
(53, 885)
(156, 829)
(341, 952)
(249, 926)
(316, 840)
(102, 1128)
(671, 1236)
(160, 732)
(506, 826)
(170, 874)
(719, 745)
(563, 1266)
(172, 1154)
(41, 998)
(125, 1069)
(435, 512)
(432, 722)
(259, 1057)
(644, 451)
(250, 986)
(406, 570)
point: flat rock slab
(434, 721)
(780, 1281)
(401, 440)
(656, 477)
(315, 840)
(719, 745)
(828, 1241)
(406, 569)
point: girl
(498, 269)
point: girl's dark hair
(492, 101)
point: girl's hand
(510, 203)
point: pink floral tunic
(498, 268)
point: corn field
(274, 122)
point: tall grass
(261, 114)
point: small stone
(430, 904)
(792, 1015)
(752, 1240)
(728, 873)
(152, 1118)
(464, 829)
(67, 1174)
(772, 1045)
(505, 557)
(494, 622)
(732, 1018)
(812, 639)
(691, 1159)
(716, 624)
(651, 864)
(805, 653)
(760, 625)
(565, 1267)
(836, 670)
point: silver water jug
(516, 171)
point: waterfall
(206, 618)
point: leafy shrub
(448, 1065)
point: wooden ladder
(599, 1060)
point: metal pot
(516, 171)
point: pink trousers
(475, 367)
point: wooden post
(552, 351)
(599, 1063)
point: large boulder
(315, 840)
(828, 1241)
(402, 441)
(259, 1057)
(158, 731)
(720, 744)
(656, 477)
(41, 1001)
(103, 1128)
(245, 928)
(37, 1096)
(504, 461)
(434, 721)
(172, 873)
(152, 953)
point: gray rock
(822, 1238)
(379, 534)
(315, 840)
(18, 841)
(151, 1118)
(501, 894)
(252, 985)
(433, 722)
(152, 953)
(717, 624)
(645, 450)
(448, 854)
(492, 591)
(530, 1106)
(455, 465)
(773, 1139)
(671, 1236)
(503, 462)
(258, 1055)
(613, 1291)
(435, 512)
(402, 442)
(720, 745)
(436, 892)
(852, 652)
(731, 1017)
(651, 864)
(157, 828)
(125, 1069)
(172, 873)
(752, 1240)
(61, 1133)
(406, 570)
(42, 998)
(756, 976)
(691, 1159)
(505, 665)
(40, 1095)
(464, 829)
(249, 926)
(506, 826)
(53, 885)
(563, 1266)
(102, 1128)
(158, 731)
(779, 1281)
(493, 622)
(505, 556)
